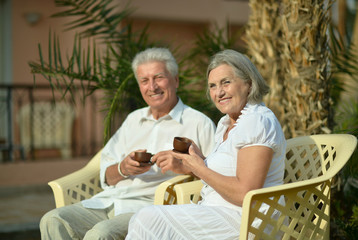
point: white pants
(77, 222)
(184, 222)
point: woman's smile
(224, 100)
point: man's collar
(177, 111)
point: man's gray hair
(154, 55)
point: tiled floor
(20, 214)
(24, 208)
(25, 196)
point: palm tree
(287, 41)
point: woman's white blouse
(256, 126)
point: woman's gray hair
(243, 69)
(154, 55)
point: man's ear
(177, 81)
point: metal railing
(87, 126)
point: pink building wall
(174, 22)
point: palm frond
(103, 63)
(95, 18)
(193, 76)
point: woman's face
(227, 91)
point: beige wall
(179, 22)
(218, 11)
(25, 37)
(176, 34)
(25, 40)
(173, 22)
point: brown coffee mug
(143, 157)
(181, 144)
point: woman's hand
(192, 161)
(171, 161)
(166, 161)
(197, 150)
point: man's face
(158, 87)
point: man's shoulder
(196, 114)
(137, 113)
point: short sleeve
(258, 130)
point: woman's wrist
(120, 171)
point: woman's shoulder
(258, 125)
(258, 120)
(254, 114)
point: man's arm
(128, 167)
(113, 176)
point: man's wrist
(120, 172)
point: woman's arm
(252, 166)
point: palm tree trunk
(288, 43)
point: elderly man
(128, 185)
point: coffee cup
(143, 157)
(181, 144)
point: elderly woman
(249, 154)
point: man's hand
(131, 167)
(128, 166)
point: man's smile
(154, 95)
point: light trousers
(77, 222)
